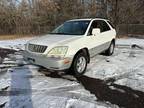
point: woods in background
(41, 16)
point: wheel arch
(85, 51)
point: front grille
(37, 48)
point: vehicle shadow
(116, 94)
(58, 74)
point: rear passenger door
(106, 32)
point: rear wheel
(79, 64)
(110, 50)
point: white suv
(71, 45)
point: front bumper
(47, 62)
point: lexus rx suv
(71, 45)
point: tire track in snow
(52, 90)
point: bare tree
(40, 16)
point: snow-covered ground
(108, 83)
(16, 44)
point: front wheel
(79, 64)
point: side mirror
(95, 31)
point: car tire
(79, 64)
(110, 50)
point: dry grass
(122, 36)
(10, 37)
(141, 36)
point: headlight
(58, 52)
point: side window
(93, 25)
(104, 26)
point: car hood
(54, 39)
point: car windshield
(72, 28)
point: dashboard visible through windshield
(72, 28)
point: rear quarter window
(104, 26)
(111, 24)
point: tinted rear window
(111, 24)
